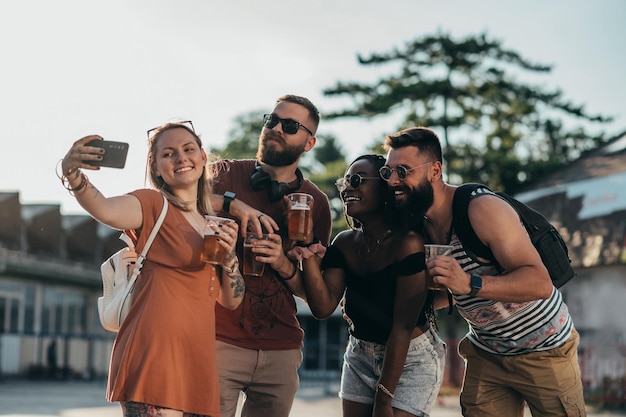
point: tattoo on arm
(237, 283)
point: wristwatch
(229, 196)
(476, 282)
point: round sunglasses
(355, 181)
(401, 171)
(289, 126)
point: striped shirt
(510, 328)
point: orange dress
(164, 353)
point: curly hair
(377, 162)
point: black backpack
(543, 235)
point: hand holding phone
(114, 153)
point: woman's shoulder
(408, 236)
(408, 242)
(147, 194)
(345, 237)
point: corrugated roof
(587, 203)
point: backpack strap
(461, 222)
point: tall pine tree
(495, 128)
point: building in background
(587, 204)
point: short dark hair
(314, 114)
(423, 138)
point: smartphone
(114, 153)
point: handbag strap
(142, 256)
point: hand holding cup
(220, 237)
(299, 218)
(432, 251)
(252, 266)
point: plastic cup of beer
(299, 221)
(213, 252)
(251, 266)
(435, 250)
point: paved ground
(86, 399)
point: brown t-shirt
(266, 319)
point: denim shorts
(419, 383)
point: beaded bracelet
(384, 389)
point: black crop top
(370, 299)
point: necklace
(372, 252)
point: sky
(117, 68)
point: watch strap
(476, 283)
(229, 196)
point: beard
(414, 207)
(267, 153)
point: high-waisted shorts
(419, 383)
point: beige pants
(497, 386)
(268, 378)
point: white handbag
(119, 274)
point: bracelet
(384, 389)
(82, 186)
(75, 191)
(293, 274)
(230, 270)
(63, 175)
(70, 172)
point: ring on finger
(259, 216)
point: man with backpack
(521, 346)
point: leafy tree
(329, 164)
(328, 150)
(506, 133)
(243, 137)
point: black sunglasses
(355, 181)
(289, 126)
(385, 171)
(186, 123)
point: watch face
(476, 282)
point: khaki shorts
(498, 385)
(269, 379)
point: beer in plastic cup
(250, 265)
(435, 250)
(213, 252)
(299, 221)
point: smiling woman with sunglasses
(394, 359)
(354, 181)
